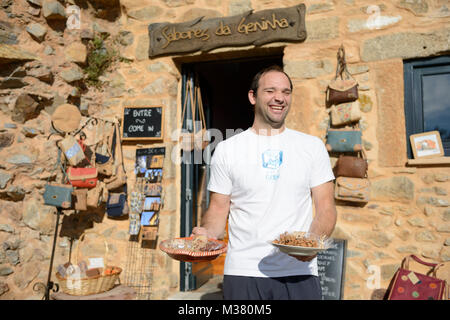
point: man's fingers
(304, 258)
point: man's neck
(267, 130)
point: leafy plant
(100, 58)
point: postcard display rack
(145, 199)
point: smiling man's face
(272, 100)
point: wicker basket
(88, 286)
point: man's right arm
(215, 218)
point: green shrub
(100, 57)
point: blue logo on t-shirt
(271, 161)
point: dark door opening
(224, 89)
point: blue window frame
(427, 98)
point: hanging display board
(148, 170)
(331, 267)
(250, 28)
(143, 123)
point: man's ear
(252, 97)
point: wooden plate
(187, 255)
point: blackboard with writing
(143, 123)
(331, 267)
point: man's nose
(279, 96)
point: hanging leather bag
(200, 136)
(83, 177)
(120, 177)
(105, 151)
(351, 166)
(345, 113)
(117, 204)
(94, 195)
(57, 194)
(80, 199)
(352, 189)
(186, 139)
(344, 140)
(197, 139)
(410, 285)
(72, 150)
(343, 88)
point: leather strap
(434, 266)
(341, 66)
(188, 95)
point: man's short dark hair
(255, 82)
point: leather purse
(117, 204)
(347, 140)
(105, 163)
(345, 113)
(340, 89)
(350, 166)
(410, 285)
(119, 179)
(72, 150)
(94, 195)
(197, 139)
(82, 177)
(352, 189)
(80, 199)
(58, 195)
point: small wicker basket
(88, 286)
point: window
(427, 98)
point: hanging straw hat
(66, 118)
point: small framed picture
(148, 218)
(426, 145)
(152, 203)
(152, 189)
(153, 175)
(155, 161)
(141, 166)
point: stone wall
(42, 65)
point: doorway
(224, 85)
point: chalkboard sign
(143, 123)
(331, 267)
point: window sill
(429, 161)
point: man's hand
(200, 231)
(215, 218)
(304, 258)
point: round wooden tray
(191, 256)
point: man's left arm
(325, 217)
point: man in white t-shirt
(262, 181)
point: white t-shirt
(269, 179)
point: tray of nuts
(193, 249)
(299, 243)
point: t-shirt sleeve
(220, 179)
(321, 167)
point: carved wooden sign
(250, 28)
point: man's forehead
(274, 78)
(273, 75)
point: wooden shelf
(429, 161)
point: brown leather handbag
(351, 166)
(341, 90)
